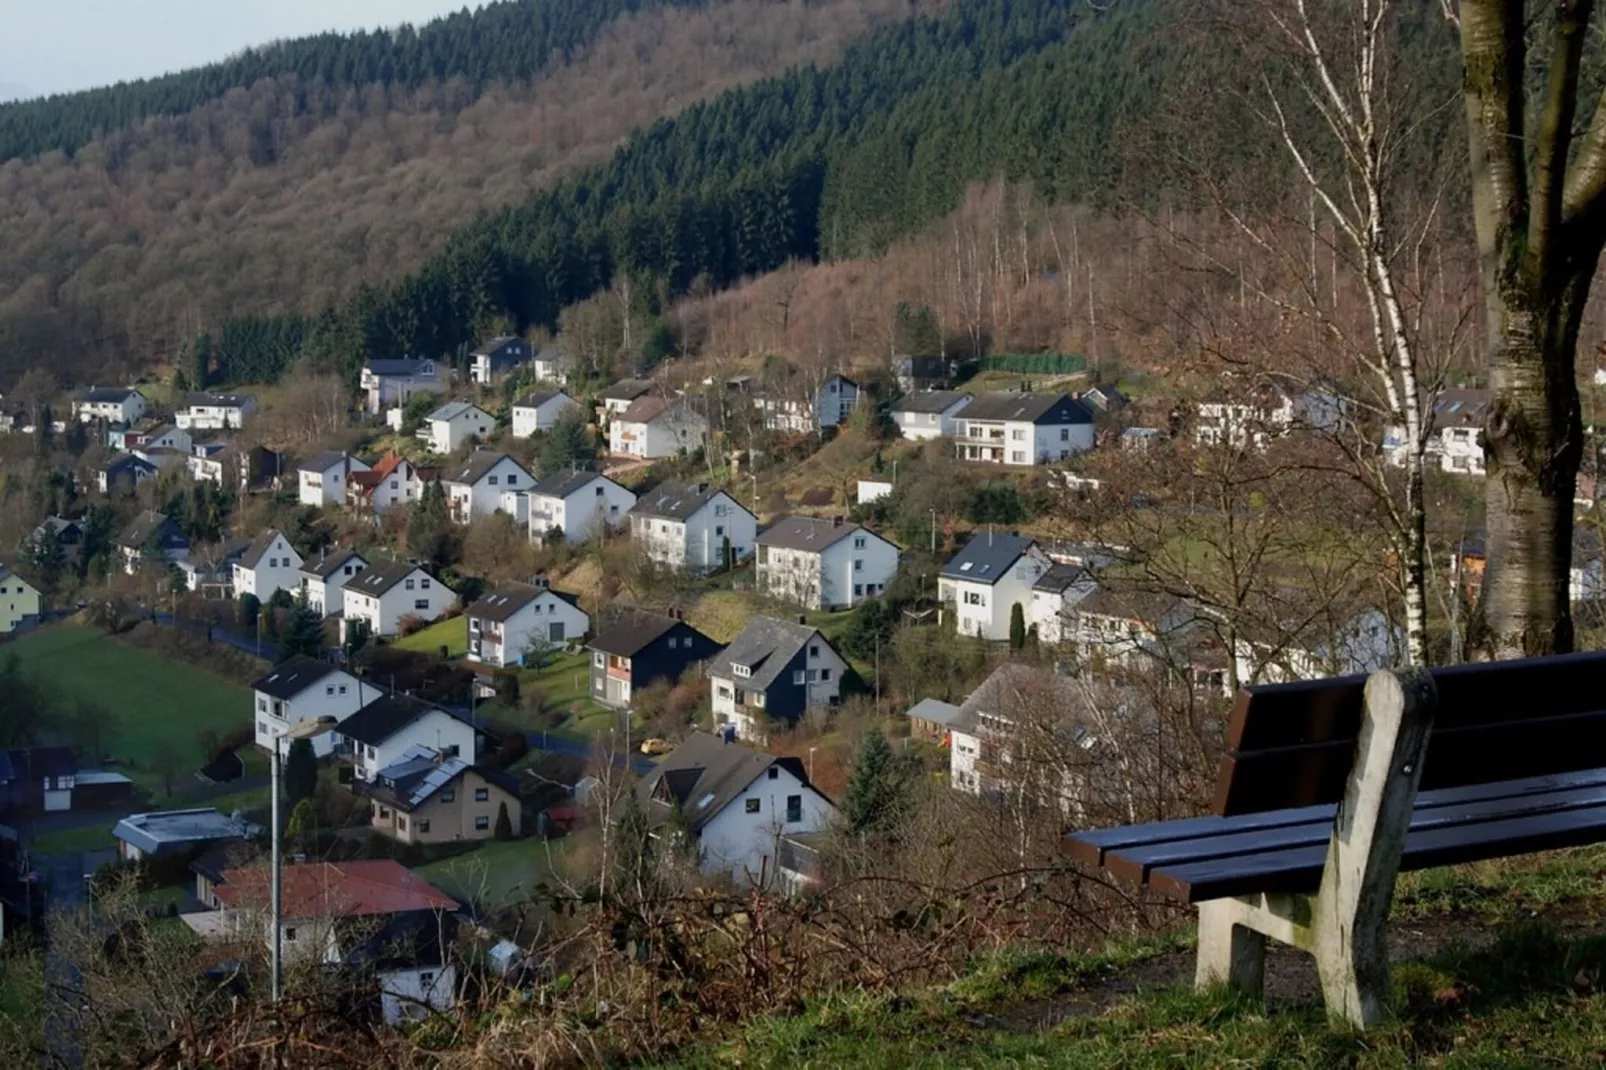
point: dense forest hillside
(1103, 106)
(287, 193)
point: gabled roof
(1459, 408)
(562, 484)
(1012, 689)
(809, 533)
(137, 534)
(1034, 408)
(6, 574)
(632, 631)
(626, 390)
(1126, 603)
(259, 546)
(422, 772)
(1060, 577)
(553, 354)
(385, 716)
(453, 409)
(677, 501)
(322, 462)
(478, 466)
(986, 558)
(930, 400)
(645, 410)
(293, 677)
(397, 366)
(501, 604)
(329, 564)
(703, 775)
(218, 401)
(381, 576)
(127, 460)
(336, 889)
(934, 710)
(489, 349)
(765, 646)
(108, 394)
(387, 464)
(536, 398)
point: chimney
(836, 521)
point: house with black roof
(615, 399)
(688, 526)
(580, 504)
(773, 673)
(923, 373)
(737, 804)
(391, 382)
(387, 591)
(506, 625)
(380, 733)
(926, 414)
(1022, 429)
(303, 689)
(1054, 595)
(493, 359)
(823, 563)
(637, 648)
(984, 581)
(152, 536)
(124, 473)
(475, 487)
(323, 580)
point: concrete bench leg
(1230, 952)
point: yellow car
(655, 747)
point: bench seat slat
(1094, 846)
(1299, 869)
(1136, 863)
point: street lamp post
(312, 726)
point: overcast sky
(50, 46)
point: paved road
(265, 648)
(572, 748)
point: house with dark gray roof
(773, 673)
(324, 579)
(214, 412)
(540, 409)
(114, 404)
(923, 373)
(552, 364)
(1022, 429)
(476, 487)
(636, 649)
(305, 689)
(323, 478)
(823, 563)
(1055, 594)
(617, 398)
(177, 832)
(493, 359)
(124, 473)
(269, 565)
(390, 383)
(1015, 700)
(430, 797)
(737, 804)
(386, 592)
(453, 424)
(517, 619)
(688, 526)
(655, 426)
(582, 504)
(152, 536)
(984, 582)
(929, 413)
(381, 732)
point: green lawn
(497, 873)
(564, 684)
(76, 841)
(451, 634)
(156, 705)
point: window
(393, 484)
(775, 772)
(758, 698)
(409, 585)
(719, 530)
(262, 728)
(858, 542)
(754, 805)
(426, 979)
(825, 674)
(493, 481)
(599, 492)
(290, 934)
(975, 598)
(342, 689)
(794, 808)
(423, 825)
(401, 822)
(449, 795)
(1018, 435)
(482, 794)
(262, 704)
(858, 590)
(723, 691)
(858, 564)
(329, 690)
(598, 659)
(814, 650)
(797, 677)
(420, 603)
(719, 510)
(741, 670)
(512, 478)
(1065, 434)
(1018, 457)
(482, 823)
(424, 583)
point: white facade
(278, 569)
(528, 419)
(436, 729)
(407, 994)
(123, 410)
(843, 574)
(1050, 611)
(582, 511)
(742, 839)
(1019, 442)
(547, 620)
(337, 695)
(419, 595)
(1366, 643)
(451, 425)
(483, 496)
(169, 437)
(392, 382)
(18, 599)
(830, 406)
(214, 412)
(749, 713)
(927, 425)
(395, 485)
(327, 486)
(666, 434)
(325, 593)
(983, 609)
(698, 542)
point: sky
(54, 46)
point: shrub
(410, 624)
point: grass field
(157, 705)
(497, 872)
(76, 841)
(451, 634)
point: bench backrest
(1292, 744)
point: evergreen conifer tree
(876, 789)
(300, 772)
(1017, 627)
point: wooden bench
(1330, 787)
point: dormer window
(743, 671)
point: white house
(654, 427)
(114, 404)
(1023, 429)
(496, 358)
(1026, 731)
(737, 805)
(324, 581)
(19, 599)
(1362, 643)
(538, 411)
(386, 591)
(152, 537)
(687, 525)
(214, 412)
(1128, 626)
(1055, 594)
(1454, 435)
(165, 437)
(451, 425)
(773, 673)
(380, 733)
(124, 473)
(517, 618)
(209, 569)
(988, 578)
(579, 503)
(390, 482)
(304, 689)
(830, 406)
(475, 487)
(929, 413)
(324, 477)
(269, 566)
(620, 396)
(1264, 411)
(823, 564)
(391, 382)
(552, 364)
